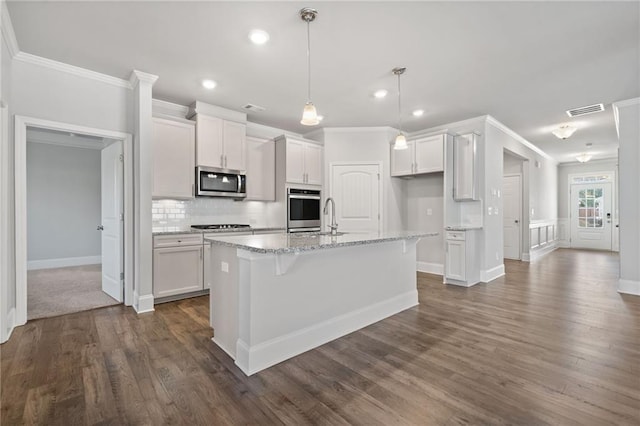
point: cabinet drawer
(455, 235)
(227, 234)
(177, 240)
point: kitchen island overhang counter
(276, 296)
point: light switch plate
(224, 266)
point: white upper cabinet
(303, 162)
(464, 167)
(173, 159)
(261, 169)
(424, 155)
(220, 143)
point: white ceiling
(524, 63)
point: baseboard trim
(629, 287)
(263, 355)
(430, 268)
(63, 262)
(537, 254)
(526, 257)
(142, 304)
(10, 325)
(491, 274)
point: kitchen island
(278, 295)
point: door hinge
(122, 275)
(378, 176)
(121, 157)
(121, 217)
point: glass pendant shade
(401, 142)
(583, 158)
(565, 131)
(309, 115)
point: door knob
(100, 228)
(517, 221)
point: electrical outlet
(497, 256)
(224, 266)
(429, 212)
(490, 210)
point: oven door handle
(304, 197)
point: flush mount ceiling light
(401, 141)
(309, 114)
(565, 131)
(584, 157)
(209, 84)
(379, 94)
(258, 37)
(418, 113)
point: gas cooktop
(221, 226)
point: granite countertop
(170, 230)
(308, 241)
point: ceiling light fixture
(584, 157)
(418, 113)
(258, 37)
(401, 141)
(379, 94)
(209, 84)
(565, 131)
(309, 114)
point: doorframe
(380, 187)
(614, 200)
(21, 124)
(521, 189)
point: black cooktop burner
(221, 226)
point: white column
(142, 84)
(627, 114)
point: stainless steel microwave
(214, 182)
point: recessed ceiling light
(258, 37)
(379, 94)
(418, 113)
(209, 84)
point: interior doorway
(65, 189)
(356, 189)
(117, 174)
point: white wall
(367, 144)
(628, 122)
(63, 202)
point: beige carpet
(53, 292)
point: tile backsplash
(183, 213)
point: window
(590, 204)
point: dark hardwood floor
(550, 343)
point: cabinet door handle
(221, 160)
(201, 249)
(225, 161)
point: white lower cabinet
(461, 267)
(177, 264)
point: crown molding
(8, 34)
(164, 108)
(263, 131)
(626, 103)
(519, 138)
(71, 69)
(140, 76)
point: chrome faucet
(334, 225)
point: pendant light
(401, 141)
(309, 115)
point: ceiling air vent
(585, 110)
(254, 108)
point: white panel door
(455, 260)
(402, 160)
(173, 159)
(209, 141)
(112, 224)
(512, 212)
(591, 216)
(356, 191)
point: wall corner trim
(629, 287)
(491, 274)
(8, 34)
(142, 304)
(71, 69)
(140, 76)
(8, 326)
